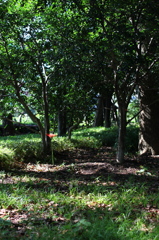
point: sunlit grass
(65, 208)
(28, 148)
(6, 157)
(102, 213)
(99, 136)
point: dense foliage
(57, 56)
(64, 64)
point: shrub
(6, 158)
(132, 138)
(27, 148)
(109, 136)
(61, 144)
(28, 151)
(100, 136)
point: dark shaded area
(88, 165)
(17, 128)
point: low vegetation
(85, 195)
(27, 148)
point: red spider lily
(51, 135)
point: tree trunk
(114, 114)
(107, 109)
(99, 118)
(45, 139)
(148, 119)
(8, 127)
(46, 142)
(71, 128)
(61, 123)
(121, 134)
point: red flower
(51, 135)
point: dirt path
(91, 164)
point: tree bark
(99, 117)
(148, 119)
(46, 141)
(71, 128)
(61, 123)
(121, 134)
(107, 109)
(8, 127)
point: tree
(99, 115)
(36, 67)
(149, 130)
(103, 109)
(69, 51)
(120, 31)
(149, 107)
(24, 63)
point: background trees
(124, 35)
(56, 57)
(24, 66)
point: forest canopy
(58, 59)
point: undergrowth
(28, 148)
(62, 202)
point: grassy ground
(86, 195)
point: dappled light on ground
(86, 189)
